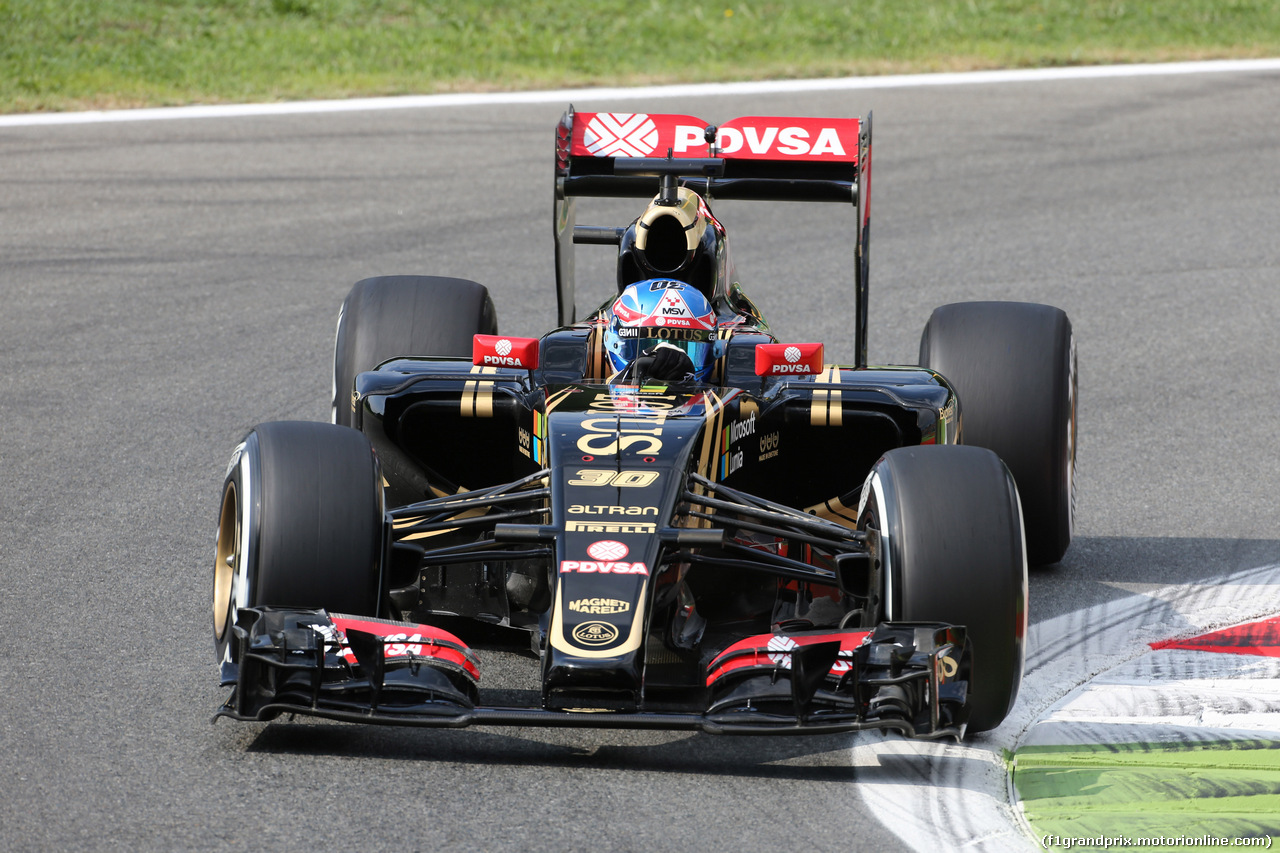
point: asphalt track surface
(166, 285)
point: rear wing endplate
(762, 158)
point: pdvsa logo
(607, 549)
(621, 135)
(787, 141)
(774, 359)
(493, 351)
(780, 647)
(603, 567)
(747, 138)
(503, 357)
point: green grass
(76, 54)
(1227, 790)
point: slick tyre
(301, 524)
(407, 315)
(1013, 366)
(950, 549)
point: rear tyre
(1013, 366)
(950, 549)
(409, 315)
(301, 524)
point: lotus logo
(595, 634)
(620, 135)
(607, 549)
(503, 347)
(791, 354)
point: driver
(661, 329)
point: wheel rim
(227, 561)
(871, 516)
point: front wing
(904, 677)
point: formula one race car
(679, 520)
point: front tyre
(946, 531)
(301, 524)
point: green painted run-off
(1228, 789)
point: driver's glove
(666, 362)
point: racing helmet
(661, 312)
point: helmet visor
(695, 343)
(636, 341)
(698, 351)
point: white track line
(699, 90)
(941, 797)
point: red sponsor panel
(404, 640)
(637, 135)
(747, 138)
(788, 359)
(775, 138)
(773, 650)
(1255, 638)
(501, 351)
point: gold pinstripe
(597, 362)
(835, 408)
(717, 372)
(835, 510)
(826, 409)
(559, 642)
(412, 520)
(477, 394)
(471, 513)
(818, 406)
(555, 400)
(467, 405)
(714, 418)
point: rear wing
(618, 155)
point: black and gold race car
(776, 544)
